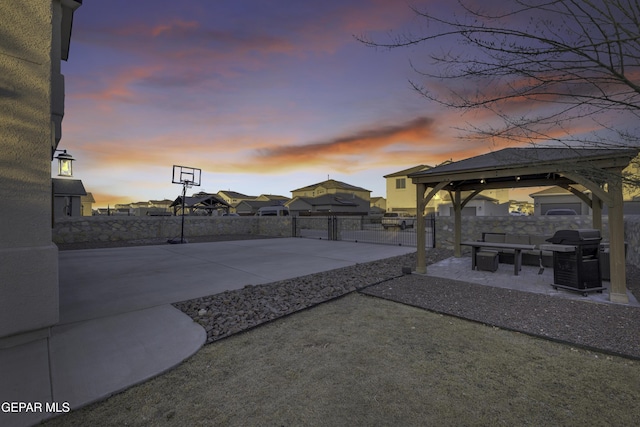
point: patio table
(517, 248)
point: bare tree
(542, 67)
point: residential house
(87, 202)
(480, 205)
(378, 205)
(559, 198)
(67, 197)
(232, 197)
(331, 203)
(401, 191)
(331, 186)
(250, 207)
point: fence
(363, 229)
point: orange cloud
(364, 142)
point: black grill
(578, 269)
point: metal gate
(365, 229)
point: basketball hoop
(188, 177)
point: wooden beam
(593, 186)
(421, 239)
(579, 194)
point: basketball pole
(184, 194)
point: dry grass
(365, 361)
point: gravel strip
(231, 312)
(610, 328)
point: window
(401, 183)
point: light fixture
(482, 181)
(517, 178)
(65, 163)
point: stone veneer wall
(116, 228)
(474, 226)
(632, 237)
(119, 228)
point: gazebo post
(618, 291)
(457, 209)
(421, 239)
(596, 211)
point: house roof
(407, 172)
(332, 184)
(272, 197)
(555, 190)
(68, 187)
(235, 194)
(88, 198)
(337, 199)
(256, 204)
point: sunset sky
(263, 96)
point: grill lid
(575, 237)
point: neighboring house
(378, 205)
(559, 198)
(331, 186)
(233, 198)
(87, 204)
(158, 208)
(334, 203)
(401, 191)
(250, 207)
(480, 205)
(274, 198)
(67, 197)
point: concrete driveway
(117, 327)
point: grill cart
(576, 264)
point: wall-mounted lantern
(65, 164)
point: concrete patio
(528, 280)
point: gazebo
(201, 202)
(599, 170)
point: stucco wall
(28, 259)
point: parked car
(273, 211)
(561, 212)
(398, 219)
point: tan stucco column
(421, 240)
(28, 258)
(618, 291)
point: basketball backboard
(186, 176)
